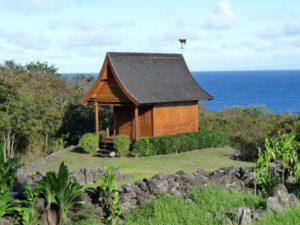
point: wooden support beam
(136, 119)
(97, 119)
(115, 120)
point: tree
(33, 100)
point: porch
(131, 120)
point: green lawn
(207, 159)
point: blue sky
(221, 34)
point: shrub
(122, 144)
(142, 147)
(248, 127)
(89, 142)
(181, 142)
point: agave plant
(61, 190)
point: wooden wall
(175, 118)
(145, 121)
(123, 120)
(158, 120)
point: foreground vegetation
(206, 206)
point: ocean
(279, 91)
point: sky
(75, 35)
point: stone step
(101, 154)
(105, 150)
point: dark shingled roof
(156, 78)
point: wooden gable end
(109, 90)
(106, 89)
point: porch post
(97, 119)
(136, 118)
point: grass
(208, 207)
(291, 217)
(138, 168)
(222, 199)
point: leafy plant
(61, 190)
(109, 195)
(27, 212)
(6, 200)
(284, 148)
(89, 142)
(121, 144)
(8, 170)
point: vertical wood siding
(175, 118)
(145, 121)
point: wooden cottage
(151, 94)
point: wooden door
(123, 116)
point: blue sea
(279, 91)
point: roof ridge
(149, 54)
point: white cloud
(292, 28)
(24, 39)
(222, 17)
(289, 28)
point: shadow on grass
(78, 150)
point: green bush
(181, 142)
(89, 142)
(248, 127)
(142, 147)
(122, 144)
